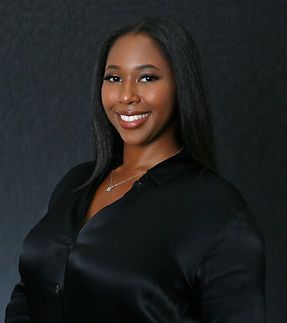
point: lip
(132, 124)
(131, 113)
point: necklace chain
(111, 186)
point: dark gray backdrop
(47, 52)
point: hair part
(194, 122)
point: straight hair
(194, 124)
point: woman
(149, 231)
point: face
(138, 91)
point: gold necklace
(111, 186)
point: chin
(134, 140)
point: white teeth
(133, 118)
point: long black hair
(194, 123)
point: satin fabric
(180, 246)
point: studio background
(47, 53)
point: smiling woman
(138, 93)
(148, 231)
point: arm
(231, 276)
(17, 310)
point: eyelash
(152, 76)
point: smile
(134, 117)
(133, 121)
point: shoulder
(78, 174)
(216, 209)
(215, 199)
(212, 190)
(71, 180)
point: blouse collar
(167, 169)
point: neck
(144, 157)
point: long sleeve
(17, 310)
(231, 276)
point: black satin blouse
(180, 246)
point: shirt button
(68, 241)
(57, 289)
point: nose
(129, 94)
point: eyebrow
(139, 67)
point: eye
(148, 78)
(112, 78)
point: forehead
(133, 49)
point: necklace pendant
(109, 188)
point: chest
(145, 238)
(103, 197)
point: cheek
(109, 96)
(162, 99)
